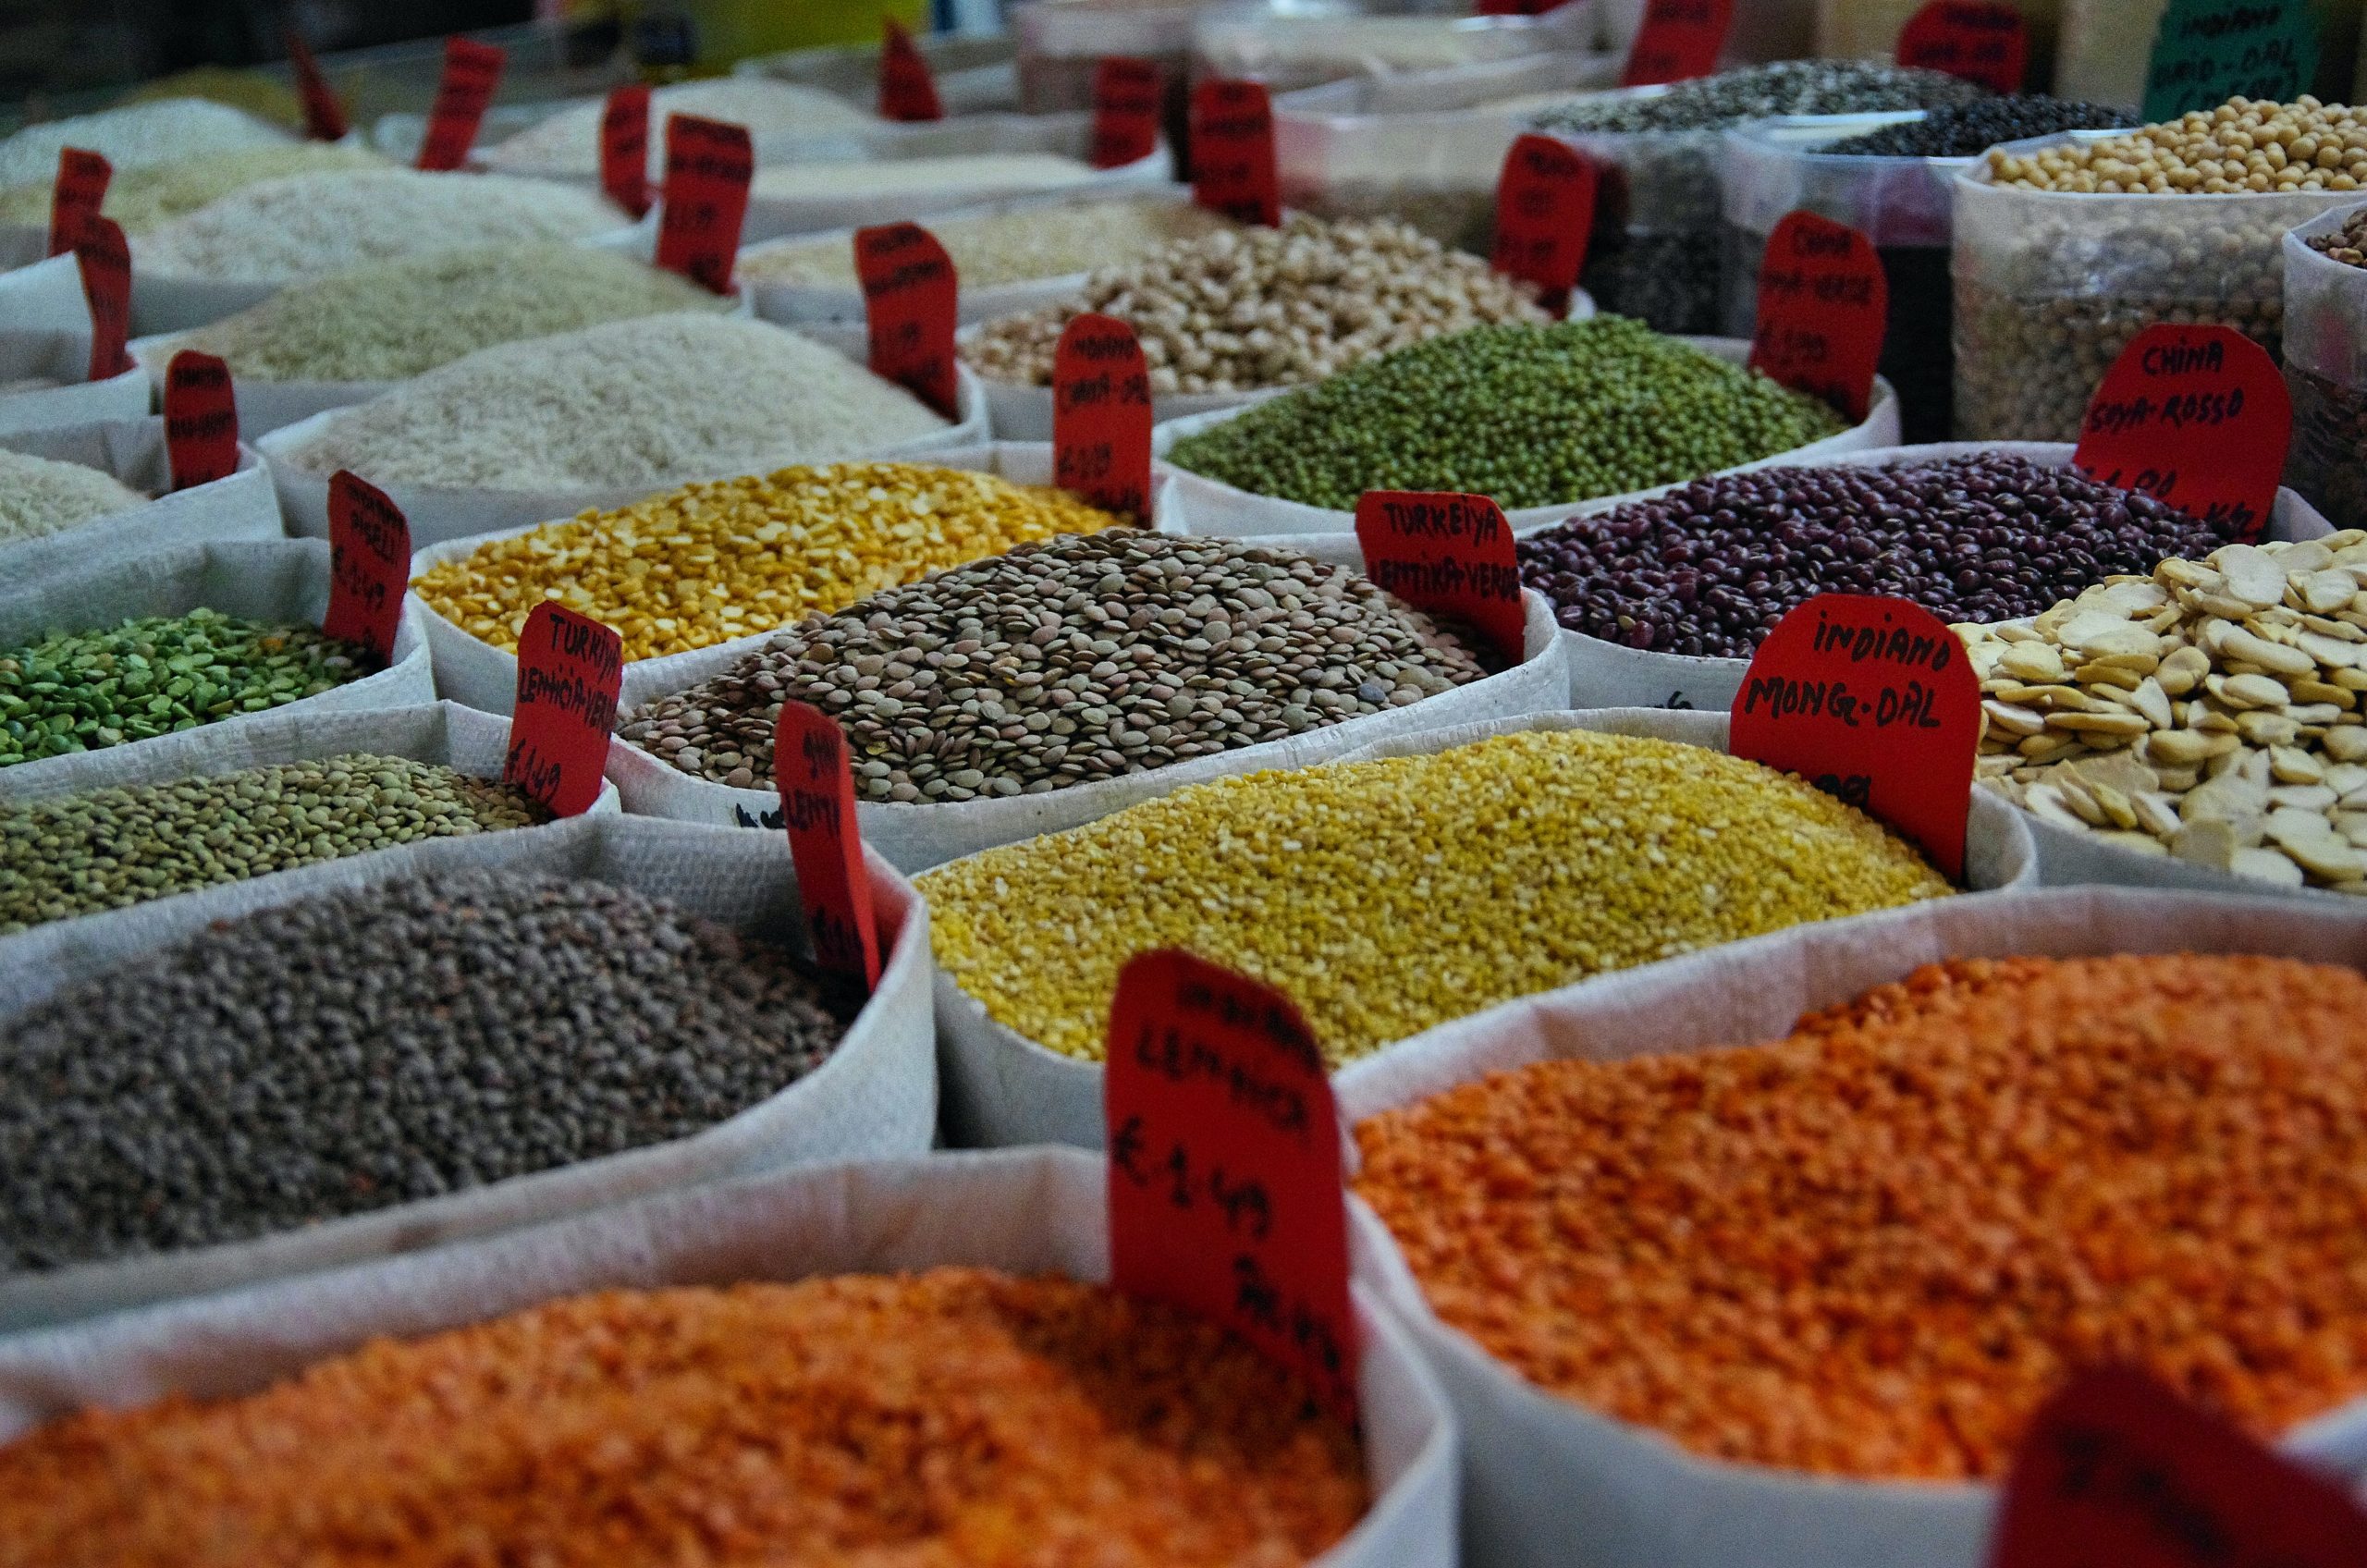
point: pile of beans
(1786, 87)
(2328, 462)
(733, 558)
(81, 691)
(2210, 712)
(2239, 146)
(1875, 1248)
(1533, 416)
(2347, 244)
(1707, 569)
(1964, 130)
(108, 849)
(1387, 896)
(357, 1050)
(1087, 657)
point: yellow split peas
(1386, 898)
(732, 557)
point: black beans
(1963, 129)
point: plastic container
(1654, 252)
(1868, 29)
(2107, 45)
(975, 75)
(2325, 368)
(1061, 42)
(1293, 44)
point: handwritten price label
(1126, 111)
(1225, 1194)
(369, 565)
(201, 420)
(1448, 554)
(816, 782)
(1678, 41)
(908, 301)
(1874, 701)
(75, 200)
(323, 116)
(569, 669)
(2196, 416)
(708, 165)
(2206, 52)
(1544, 213)
(2116, 1469)
(624, 148)
(907, 90)
(472, 71)
(1824, 302)
(1232, 151)
(105, 264)
(1981, 41)
(1102, 416)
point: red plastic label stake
(907, 90)
(2118, 1471)
(624, 148)
(1446, 554)
(2197, 416)
(1232, 151)
(202, 421)
(369, 565)
(1679, 40)
(1982, 41)
(75, 200)
(708, 165)
(816, 782)
(908, 301)
(1872, 700)
(323, 116)
(105, 264)
(569, 670)
(1823, 302)
(1544, 214)
(1225, 1194)
(1126, 111)
(472, 71)
(1102, 416)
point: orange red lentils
(1873, 1248)
(958, 1416)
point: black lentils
(1707, 569)
(363, 1050)
(1962, 130)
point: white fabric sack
(1210, 506)
(1027, 1212)
(1000, 1087)
(875, 1094)
(45, 336)
(2326, 365)
(772, 215)
(438, 512)
(1550, 1482)
(285, 580)
(240, 507)
(263, 406)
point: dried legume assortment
(41, 495)
(1085, 657)
(2241, 146)
(360, 1049)
(2209, 711)
(143, 196)
(1786, 87)
(133, 135)
(711, 562)
(956, 1415)
(993, 248)
(1533, 416)
(1709, 568)
(1964, 130)
(1387, 896)
(569, 141)
(2347, 244)
(1874, 1248)
(81, 691)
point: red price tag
(708, 165)
(369, 565)
(1823, 302)
(1678, 41)
(1874, 701)
(323, 116)
(105, 264)
(472, 71)
(75, 200)
(1232, 151)
(816, 783)
(2197, 416)
(908, 287)
(1126, 111)
(1102, 416)
(1982, 41)
(201, 420)
(1447, 554)
(2116, 1469)
(907, 90)
(1544, 213)
(1225, 1195)
(569, 670)
(624, 148)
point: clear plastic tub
(1654, 253)
(2326, 367)
(1293, 44)
(975, 75)
(1061, 41)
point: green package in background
(2209, 51)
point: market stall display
(142, 196)
(567, 144)
(134, 136)
(72, 490)
(2325, 327)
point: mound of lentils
(361, 1049)
(1084, 658)
(1786, 86)
(1533, 416)
(1965, 130)
(1707, 569)
(81, 691)
(109, 848)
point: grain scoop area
(1186, 783)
